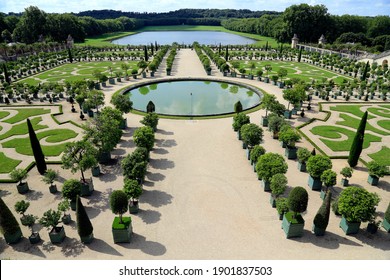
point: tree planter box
(238, 135)
(283, 144)
(134, 207)
(66, 219)
(266, 185)
(121, 233)
(248, 153)
(287, 114)
(291, 152)
(96, 171)
(293, 227)
(13, 238)
(244, 146)
(34, 238)
(57, 235)
(73, 205)
(322, 194)
(373, 180)
(168, 73)
(233, 74)
(344, 182)
(123, 124)
(349, 228)
(143, 74)
(87, 239)
(264, 121)
(302, 166)
(266, 80)
(105, 157)
(318, 231)
(118, 80)
(315, 183)
(152, 74)
(22, 188)
(386, 225)
(272, 201)
(372, 228)
(87, 187)
(90, 113)
(53, 189)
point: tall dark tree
(151, 48)
(227, 54)
(84, 225)
(266, 46)
(146, 53)
(364, 75)
(300, 54)
(37, 150)
(70, 56)
(321, 219)
(6, 75)
(8, 223)
(357, 144)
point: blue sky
(337, 7)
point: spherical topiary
(329, 178)
(144, 137)
(251, 134)
(71, 189)
(298, 199)
(239, 120)
(317, 164)
(119, 203)
(278, 184)
(303, 155)
(256, 152)
(270, 164)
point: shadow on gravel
(156, 198)
(162, 163)
(103, 247)
(329, 241)
(148, 247)
(164, 132)
(149, 216)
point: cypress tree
(146, 53)
(364, 76)
(266, 46)
(151, 48)
(300, 55)
(219, 49)
(70, 56)
(237, 107)
(84, 226)
(8, 223)
(150, 108)
(227, 54)
(357, 144)
(37, 150)
(321, 219)
(155, 45)
(6, 75)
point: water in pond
(193, 97)
(184, 37)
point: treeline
(310, 22)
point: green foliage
(282, 205)
(321, 219)
(376, 169)
(21, 206)
(237, 107)
(298, 199)
(251, 134)
(270, 164)
(8, 222)
(256, 152)
(119, 203)
(239, 120)
(71, 189)
(144, 137)
(132, 189)
(275, 122)
(294, 95)
(278, 184)
(84, 225)
(329, 178)
(151, 120)
(134, 165)
(346, 172)
(50, 218)
(150, 108)
(49, 176)
(94, 99)
(268, 102)
(37, 150)
(64, 206)
(18, 174)
(316, 165)
(357, 204)
(122, 103)
(303, 155)
(289, 136)
(357, 144)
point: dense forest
(308, 22)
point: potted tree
(303, 155)
(29, 220)
(48, 178)
(21, 207)
(356, 205)
(70, 190)
(275, 123)
(134, 166)
(347, 173)
(9, 226)
(321, 219)
(376, 171)
(133, 190)
(329, 179)
(267, 103)
(267, 166)
(386, 220)
(84, 226)
(124, 105)
(64, 207)
(281, 207)
(19, 175)
(293, 222)
(278, 186)
(50, 220)
(121, 226)
(290, 136)
(144, 137)
(316, 165)
(251, 135)
(151, 120)
(238, 121)
(256, 152)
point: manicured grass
(126, 223)
(3, 114)
(385, 124)
(22, 128)
(383, 156)
(22, 145)
(7, 164)
(104, 39)
(383, 112)
(333, 132)
(352, 109)
(354, 123)
(26, 113)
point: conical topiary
(9, 226)
(237, 107)
(321, 219)
(37, 150)
(84, 226)
(357, 144)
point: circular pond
(193, 97)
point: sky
(335, 7)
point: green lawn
(7, 164)
(383, 156)
(352, 109)
(3, 114)
(22, 128)
(26, 113)
(104, 39)
(334, 132)
(354, 123)
(385, 124)
(385, 112)
(22, 145)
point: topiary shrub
(297, 200)
(376, 169)
(237, 107)
(282, 205)
(151, 120)
(256, 152)
(329, 178)
(270, 164)
(278, 185)
(84, 225)
(71, 189)
(132, 189)
(144, 137)
(303, 155)
(239, 120)
(317, 164)
(119, 203)
(8, 223)
(321, 219)
(251, 134)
